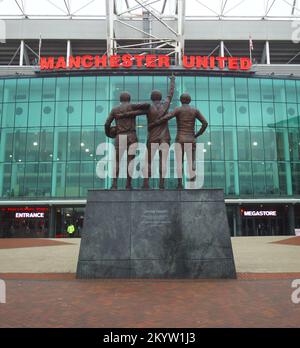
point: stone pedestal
(156, 234)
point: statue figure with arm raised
(159, 134)
(185, 119)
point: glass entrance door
(262, 226)
(67, 216)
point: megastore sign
(149, 61)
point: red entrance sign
(150, 61)
(27, 212)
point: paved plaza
(42, 290)
(251, 254)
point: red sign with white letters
(150, 61)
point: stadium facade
(52, 117)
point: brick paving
(15, 243)
(289, 241)
(149, 303)
(72, 276)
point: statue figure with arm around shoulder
(123, 126)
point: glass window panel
(74, 113)
(7, 137)
(280, 115)
(31, 175)
(259, 185)
(116, 87)
(88, 113)
(282, 178)
(102, 87)
(267, 90)
(292, 115)
(245, 177)
(229, 116)
(72, 179)
(10, 86)
(18, 180)
(44, 180)
(60, 142)
(49, 89)
(215, 88)
(145, 87)
(218, 175)
(32, 144)
(87, 170)
(143, 133)
(206, 140)
(257, 144)
(228, 89)
(189, 86)
(254, 89)
(22, 94)
(21, 114)
(216, 113)
(279, 91)
(132, 87)
(87, 145)
(203, 106)
(8, 118)
(282, 141)
(89, 88)
(207, 175)
(241, 89)
(230, 138)
(291, 95)
(61, 113)
(48, 113)
(255, 114)
(244, 150)
(59, 172)
(62, 89)
(217, 143)
(201, 87)
(46, 144)
(294, 144)
(34, 114)
(270, 144)
(296, 178)
(1, 90)
(268, 113)
(6, 170)
(102, 112)
(75, 88)
(74, 141)
(19, 144)
(231, 170)
(36, 88)
(242, 114)
(100, 137)
(272, 178)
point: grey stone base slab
(156, 234)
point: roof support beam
(266, 57)
(222, 50)
(69, 51)
(22, 45)
(172, 39)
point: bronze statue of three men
(158, 131)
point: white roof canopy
(212, 9)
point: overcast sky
(193, 7)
